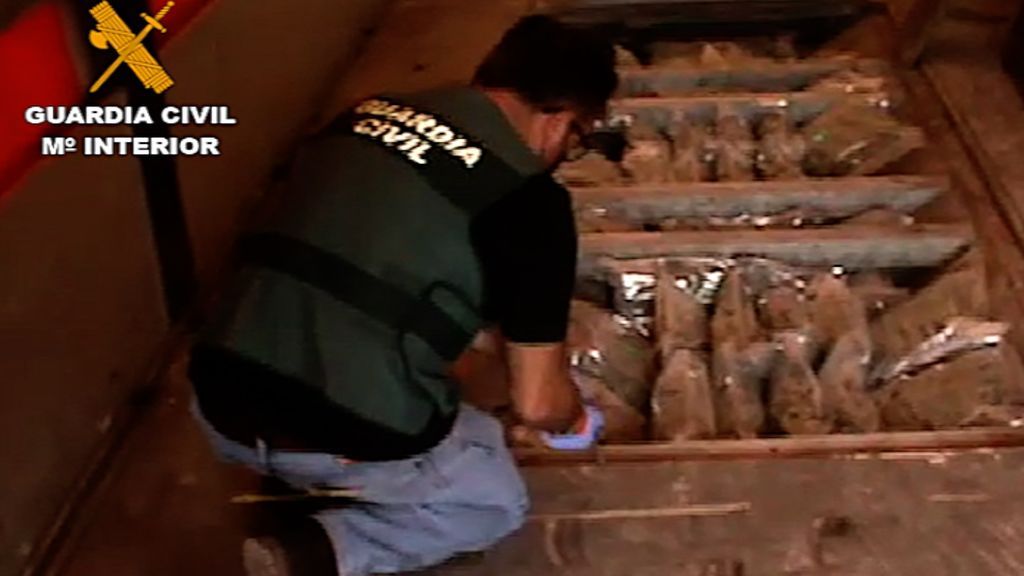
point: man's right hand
(543, 393)
(584, 435)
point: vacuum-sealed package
(614, 365)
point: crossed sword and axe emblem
(112, 31)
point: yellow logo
(112, 31)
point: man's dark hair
(552, 66)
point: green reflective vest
(366, 287)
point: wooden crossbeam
(826, 197)
(759, 77)
(889, 445)
(801, 106)
(854, 247)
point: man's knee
(510, 517)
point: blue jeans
(462, 496)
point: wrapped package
(835, 310)
(681, 320)
(615, 365)
(959, 335)
(844, 380)
(682, 403)
(592, 169)
(624, 58)
(947, 394)
(785, 308)
(738, 379)
(634, 284)
(796, 402)
(781, 151)
(735, 150)
(725, 55)
(740, 360)
(648, 155)
(735, 318)
(855, 138)
(690, 156)
(901, 328)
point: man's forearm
(543, 394)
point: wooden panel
(985, 107)
(646, 13)
(274, 64)
(855, 247)
(833, 197)
(166, 512)
(855, 517)
(81, 318)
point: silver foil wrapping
(634, 282)
(958, 336)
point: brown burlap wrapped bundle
(648, 155)
(615, 366)
(781, 151)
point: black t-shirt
(526, 243)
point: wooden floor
(163, 508)
(166, 511)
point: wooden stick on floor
(675, 512)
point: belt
(249, 437)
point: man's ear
(558, 125)
(555, 128)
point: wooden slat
(855, 247)
(829, 197)
(758, 77)
(803, 446)
(642, 14)
(801, 106)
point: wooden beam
(855, 247)
(827, 197)
(762, 76)
(793, 447)
(644, 13)
(917, 28)
(801, 106)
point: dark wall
(81, 308)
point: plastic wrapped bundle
(958, 336)
(781, 150)
(735, 150)
(738, 379)
(681, 320)
(947, 394)
(591, 169)
(648, 155)
(844, 379)
(836, 310)
(615, 365)
(855, 138)
(735, 318)
(635, 282)
(796, 401)
(625, 58)
(682, 403)
(689, 152)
